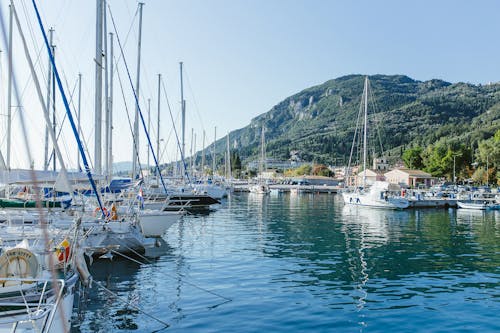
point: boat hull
(156, 223)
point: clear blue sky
(242, 57)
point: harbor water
(306, 263)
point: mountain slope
(320, 121)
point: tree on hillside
(488, 155)
(322, 170)
(413, 158)
(445, 160)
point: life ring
(18, 263)
(104, 211)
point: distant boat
(379, 194)
(261, 187)
(478, 205)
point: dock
(284, 188)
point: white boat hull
(156, 223)
(361, 199)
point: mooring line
(183, 276)
(131, 305)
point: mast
(228, 160)
(364, 131)
(9, 91)
(213, 151)
(158, 129)
(110, 108)
(135, 153)
(53, 47)
(262, 151)
(191, 152)
(79, 115)
(194, 156)
(49, 85)
(203, 154)
(106, 95)
(183, 111)
(98, 87)
(149, 125)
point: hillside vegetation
(320, 121)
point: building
(371, 177)
(380, 164)
(409, 177)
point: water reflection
(306, 263)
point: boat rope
(186, 173)
(134, 252)
(68, 111)
(129, 303)
(127, 257)
(137, 101)
(134, 141)
(226, 299)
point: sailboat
(379, 195)
(261, 187)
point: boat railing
(29, 305)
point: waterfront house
(409, 177)
(371, 177)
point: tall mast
(213, 151)
(158, 129)
(149, 125)
(79, 115)
(262, 151)
(194, 156)
(183, 114)
(228, 160)
(49, 89)
(203, 154)
(191, 151)
(54, 124)
(364, 131)
(9, 91)
(110, 108)
(98, 87)
(136, 119)
(106, 94)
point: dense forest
(433, 119)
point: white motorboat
(478, 205)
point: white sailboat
(261, 187)
(379, 195)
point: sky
(240, 57)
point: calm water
(306, 263)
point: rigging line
(376, 119)
(128, 33)
(194, 99)
(129, 303)
(63, 120)
(41, 212)
(176, 135)
(68, 111)
(137, 104)
(354, 138)
(134, 141)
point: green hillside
(320, 121)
